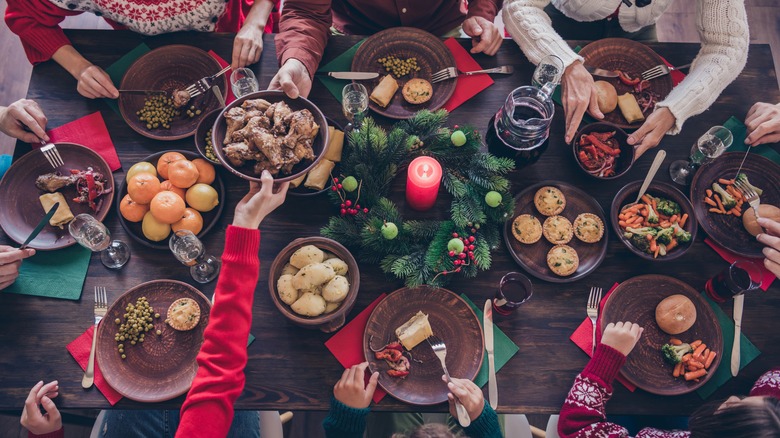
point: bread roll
(764, 210)
(607, 96)
(630, 108)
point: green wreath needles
(420, 251)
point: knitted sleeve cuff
(309, 60)
(56, 434)
(486, 425)
(345, 419)
(242, 245)
(604, 365)
(40, 43)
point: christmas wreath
(420, 251)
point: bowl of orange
(169, 191)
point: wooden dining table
(289, 367)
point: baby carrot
(709, 193)
(671, 245)
(695, 343)
(623, 224)
(720, 204)
(674, 218)
(695, 374)
(683, 219)
(678, 369)
(709, 201)
(699, 350)
(695, 364)
(737, 212)
(715, 210)
(649, 237)
(653, 246)
(645, 199)
(709, 360)
(686, 358)
(725, 181)
(655, 253)
(675, 341)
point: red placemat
(91, 132)
(79, 349)
(677, 75)
(468, 86)
(229, 97)
(767, 277)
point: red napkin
(229, 95)
(91, 132)
(79, 349)
(677, 75)
(347, 344)
(468, 86)
(767, 277)
(583, 337)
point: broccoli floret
(673, 353)
(644, 231)
(665, 235)
(725, 197)
(667, 207)
(744, 179)
(640, 242)
(652, 215)
(681, 235)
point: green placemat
(250, 340)
(117, 70)
(739, 131)
(53, 274)
(747, 352)
(342, 62)
(504, 347)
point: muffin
(417, 91)
(589, 228)
(563, 260)
(549, 201)
(527, 229)
(183, 314)
(557, 230)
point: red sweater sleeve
(303, 32)
(768, 384)
(208, 408)
(486, 9)
(37, 22)
(56, 434)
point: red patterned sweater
(583, 413)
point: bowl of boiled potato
(314, 282)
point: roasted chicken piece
(239, 153)
(245, 134)
(270, 145)
(264, 164)
(51, 182)
(235, 119)
(277, 112)
(180, 98)
(302, 126)
(256, 104)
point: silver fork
(440, 349)
(452, 72)
(204, 84)
(101, 306)
(750, 195)
(52, 155)
(593, 310)
(660, 70)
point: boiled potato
(289, 269)
(313, 275)
(329, 307)
(306, 255)
(284, 287)
(316, 290)
(330, 255)
(338, 265)
(309, 305)
(336, 289)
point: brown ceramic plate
(166, 69)
(302, 190)
(17, 189)
(727, 230)
(162, 367)
(210, 218)
(632, 58)
(406, 42)
(533, 257)
(452, 320)
(635, 300)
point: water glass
(513, 290)
(548, 74)
(93, 235)
(742, 276)
(708, 147)
(354, 103)
(243, 82)
(189, 250)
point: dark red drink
(738, 278)
(514, 290)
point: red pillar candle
(422, 183)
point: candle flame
(425, 171)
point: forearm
(303, 32)
(532, 30)
(71, 60)
(37, 24)
(486, 9)
(259, 13)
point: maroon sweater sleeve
(208, 409)
(37, 22)
(303, 32)
(56, 434)
(768, 385)
(486, 9)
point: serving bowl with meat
(602, 151)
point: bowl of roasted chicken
(269, 131)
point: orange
(166, 185)
(205, 171)
(183, 173)
(131, 210)
(165, 160)
(142, 187)
(167, 207)
(190, 220)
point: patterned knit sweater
(583, 413)
(722, 27)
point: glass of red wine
(742, 276)
(513, 290)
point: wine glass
(548, 74)
(354, 103)
(189, 250)
(93, 235)
(707, 148)
(243, 82)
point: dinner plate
(162, 367)
(21, 210)
(727, 230)
(533, 257)
(210, 218)
(635, 300)
(170, 68)
(451, 319)
(302, 190)
(406, 42)
(631, 57)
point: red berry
(342, 205)
(336, 180)
(455, 235)
(452, 253)
(456, 262)
(357, 206)
(462, 255)
(444, 273)
(334, 188)
(348, 203)
(471, 238)
(343, 212)
(365, 210)
(471, 254)
(340, 186)
(473, 230)
(456, 126)
(471, 247)
(457, 270)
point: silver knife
(353, 75)
(738, 302)
(601, 72)
(142, 91)
(487, 323)
(218, 93)
(41, 224)
(743, 162)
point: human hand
(10, 261)
(247, 46)
(772, 241)
(652, 131)
(349, 389)
(579, 95)
(94, 82)
(622, 336)
(259, 202)
(485, 36)
(293, 79)
(23, 114)
(32, 419)
(763, 124)
(468, 394)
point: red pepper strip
(91, 190)
(599, 144)
(389, 354)
(396, 373)
(583, 140)
(603, 136)
(395, 346)
(584, 158)
(595, 153)
(626, 79)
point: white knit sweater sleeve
(723, 29)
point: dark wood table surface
(289, 367)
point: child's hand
(622, 336)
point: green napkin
(747, 351)
(53, 274)
(250, 340)
(342, 62)
(504, 347)
(739, 131)
(117, 70)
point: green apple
(493, 199)
(455, 245)
(349, 184)
(389, 231)
(458, 138)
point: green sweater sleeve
(344, 422)
(486, 425)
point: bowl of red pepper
(602, 150)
